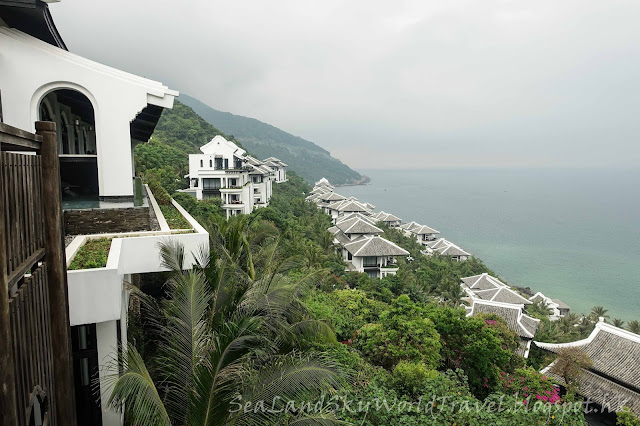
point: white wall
(30, 69)
(106, 334)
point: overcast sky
(388, 84)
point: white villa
(355, 232)
(101, 114)
(373, 255)
(446, 248)
(278, 167)
(225, 171)
(422, 233)
(559, 308)
(488, 288)
(388, 219)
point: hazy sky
(387, 84)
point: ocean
(572, 234)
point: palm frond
(134, 389)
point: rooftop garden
(93, 254)
(174, 218)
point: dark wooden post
(57, 275)
(8, 402)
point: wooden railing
(35, 353)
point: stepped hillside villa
(225, 171)
(100, 115)
(612, 381)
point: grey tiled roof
(603, 391)
(615, 353)
(352, 206)
(332, 196)
(452, 250)
(349, 216)
(482, 282)
(375, 246)
(517, 321)
(502, 294)
(358, 226)
(560, 303)
(342, 239)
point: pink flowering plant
(530, 386)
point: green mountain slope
(264, 140)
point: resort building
(421, 233)
(373, 255)
(352, 229)
(278, 167)
(388, 219)
(488, 288)
(612, 381)
(558, 307)
(524, 325)
(225, 171)
(100, 115)
(445, 248)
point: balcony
(231, 189)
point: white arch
(47, 88)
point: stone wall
(102, 221)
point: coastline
(494, 214)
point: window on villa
(201, 163)
(226, 163)
(370, 261)
(349, 256)
(211, 183)
(210, 163)
(218, 163)
(372, 274)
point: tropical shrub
(401, 334)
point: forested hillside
(264, 140)
(180, 132)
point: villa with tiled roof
(373, 255)
(559, 308)
(422, 233)
(613, 380)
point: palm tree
(539, 309)
(598, 312)
(618, 322)
(634, 326)
(224, 339)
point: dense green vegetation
(173, 217)
(165, 158)
(93, 254)
(306, 158)
(270, 311)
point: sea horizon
(571, 233)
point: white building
(445, 248)
(278, 167)
(558, 307)
(101, 113)
(422, 233)
(225, 171)
(488, 288)
(373, 255)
